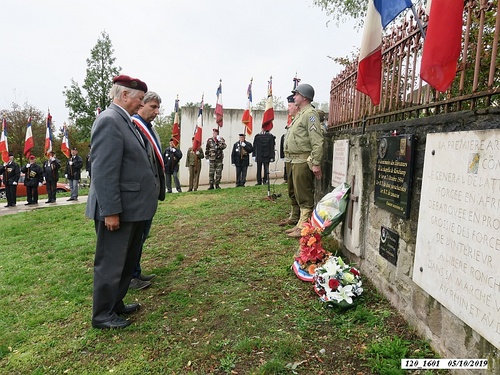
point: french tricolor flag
(379, 14)
(29, 143)
(198, 131)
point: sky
(177, 47)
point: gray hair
(117, 91)
(150, 96)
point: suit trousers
(262, 179)
(194, 176)
(51, 190)
(116, 257)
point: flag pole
(419, 21)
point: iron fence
(404, 94)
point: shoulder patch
(312, 118)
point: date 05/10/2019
(443, 363)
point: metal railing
(404, 94)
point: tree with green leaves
(94, 93)
(17, 120)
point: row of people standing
(35, 175)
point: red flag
(65, 142)
(247, 117)
(4, 144)
(442, 44)
(218, 107)
(48, 134)
(198, 131)
(29, 143)
(176, 131)
(267, 119)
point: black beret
(290, 99)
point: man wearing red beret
(123, 196)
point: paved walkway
(62, 201)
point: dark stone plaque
(393, 175)
(389, 243)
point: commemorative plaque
(393, 175)
(389, 243)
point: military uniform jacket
(74, 171)
(215, 149)
(194, 158)
(171, 159)
(11, 173)
(240, 156)
(305, 137)
(33, 175)
(51, 170)
(123, 177)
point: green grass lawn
(224, 300)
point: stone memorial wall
(433, 251)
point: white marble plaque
(457, 257)
(340, 162)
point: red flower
(354, 271)
(333, 284)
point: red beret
(32, 157)
(131, 83)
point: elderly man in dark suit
(123, 196)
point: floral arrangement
(311, 252)
(337, 283)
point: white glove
(39, 184)
(14, 183)
(218, 137)
(208, 161)
(51, 158)
(253, 158)
(173, 150)
(70, 162)
(66, 176)
(243, 144)
(28, 165)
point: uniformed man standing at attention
(304, 145)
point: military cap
(131, 83)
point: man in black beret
(240, 158)
(11, 173)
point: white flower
(331, 267)
(343, 294)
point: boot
(217, 186)
(292, 219)
(211, 187)
(305, 216)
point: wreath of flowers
(311, 252)
(337, 283)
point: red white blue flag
(379, 14)
(29, 143)
(4, 144)
(267, 119)
(247, 117)
(198, 131)
(218, 114)
(65, 142)
(176, 131)
(48, 134)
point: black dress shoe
(48, 202)
(129, 309)
(115, 323)
(146, 277)
(7, 206)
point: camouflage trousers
(215, 172)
